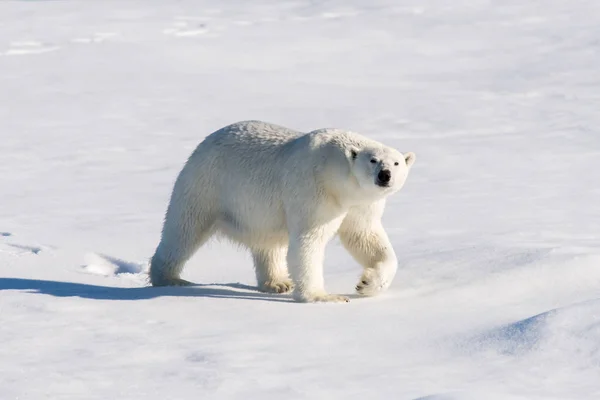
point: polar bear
(283, 195)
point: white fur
(284, 195)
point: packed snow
(497, 230)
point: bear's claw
(370, 287)
(284, 286)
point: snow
(497, 228)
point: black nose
(384, 176)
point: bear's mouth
(382, 184)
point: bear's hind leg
(271, 270)
(180, 240)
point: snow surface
(497, 229)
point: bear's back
(244, 149)
(252, 135)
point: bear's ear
(410, 158)
(352, 153)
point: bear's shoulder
(340, 138)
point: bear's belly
(249, 201)
(257, 227)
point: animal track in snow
(331, 15)
(100, 264)
(243, 22)
(26, 249)
(187, 27)
(29, 47)
(15, 249)
(98, 37)
(5, 234)
(339, 14)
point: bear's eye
(373, 161)
(354, 154)
(396, 163)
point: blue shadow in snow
(95, 292)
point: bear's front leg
(374, 251)
(305, 257)
(363, 236)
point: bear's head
(380, 170)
